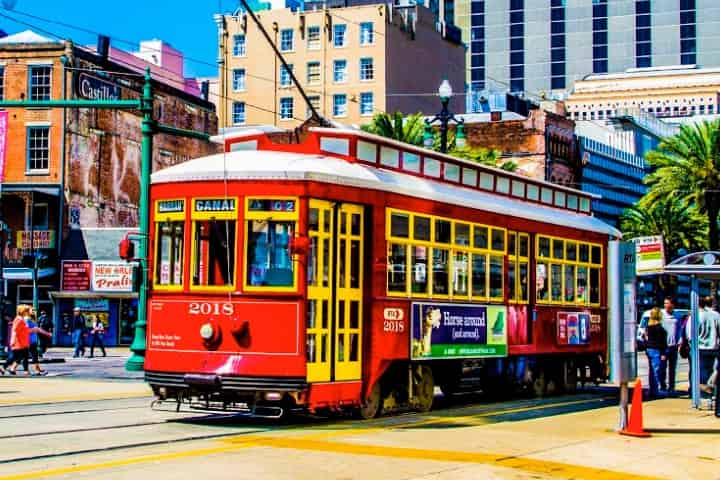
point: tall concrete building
(351, 61)
(544, 46)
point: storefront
(101, 290)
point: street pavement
(91, 419)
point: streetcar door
(348, 293)
(319, 290)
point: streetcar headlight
(273, 396)
(207, 331)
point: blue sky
(185, 24)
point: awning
(87, 294)
(21, 273)
(47, 189)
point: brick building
(71, 184)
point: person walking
(46, 324)
(672, 327)
(98, 332)
(78, 332)
(19, 343)
(35, 332)
(656, 344)
(708, 345)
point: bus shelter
(698, 265)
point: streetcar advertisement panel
(451, 330)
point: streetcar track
(70, 412)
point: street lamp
(444, 117)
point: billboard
(573, 328)
(649, 255)
(452, 330)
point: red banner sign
(76, 275)
(3, 143)
(112, 277)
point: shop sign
(171, 206)
(76, 275)
(649, 255)
(444, 330)
(3, 143)
(93, 88)
(573, 328)
(40, 239)
(215, 205)
(112, 277)
(93, 305)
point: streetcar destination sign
(171, 206)
(215, 205)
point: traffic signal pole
(149, 128)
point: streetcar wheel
(424, 388)
(539, 385)
(371, 406)
(571, 377)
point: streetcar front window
(269, 262)
(214, 247)
(169, 255)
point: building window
(517, 45)
(340, 105)
(339, 38)
(340, 71)
(367, 72)
(239, 45)
(643, 34)
(315, 102)
(313, 38)
(286, 40)
(477, 50)
(38, 149)
(366, 103)
(39, 82)
(40, 216)
(313, 72)
(557, 38)
(600, 36)
(285, 78)
(2, 82)
(366, 33)
(238, 113)
(286, 108)
(239, 79)
(688, 32)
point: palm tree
(680, 225)
(687, 168)
(408, 129)
(485, 156)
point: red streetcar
(355, 272)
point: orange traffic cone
(635, 425)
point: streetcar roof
(273, 165)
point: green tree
(485, 156)
(408, 129)
(687, 168)
(680, 225)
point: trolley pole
(136, 362)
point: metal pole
(624, 400)
(694, 350)
(136, 362)
(444, 118)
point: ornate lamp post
(444, 117)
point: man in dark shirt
(78, 332)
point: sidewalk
(60, 362)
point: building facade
(544, 46)
(71, 179)
(352, 62)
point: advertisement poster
(112, 277)
(40, 239)
(450, 330)
(573, 328)
(649, 255)
(76, 275)
(3, 143)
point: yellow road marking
(72, 398)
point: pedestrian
(673, 329)
(35, 332)
(98, 332)
(78, 333)
(708, 345)
(45, 323)
(19, 343)
(656, 346)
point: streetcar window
(389, 157)
(572, 281)
(419, 282)
(460, 274)
(400, 225)
(214, 248)
(442, 231)
(503, 185)
(571, 251)
(511, 281)
(469, 177)
(560, 199)
(498, 240)
(269, 262)
(543, 247)
(397, 261)
(523, 281)
(487, 181)
(441, 259)
(480, 237)
(533, 192)
(496, 276)
(594, 286)
(431, 167)
(411, 162)
(569, 283)
(541, 281)
(518, 266)
(169, 255)
(462, 234)
(582, 278)
(479, 275)
(421, 227)
(524, 246)
(556, 283)
(452, 172)
(596, 255)
(584, 252)
(558, 249)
